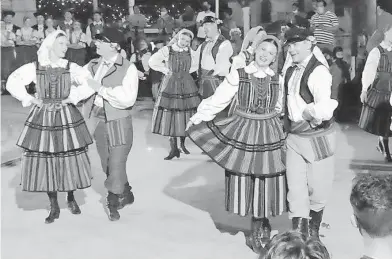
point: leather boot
(182, 140)
(54, 208)
(387, 154)
(113, 203)
(260, 236)
(126, 198)
(174, 151)
(301, 225)
(72, 205)
(315, 223)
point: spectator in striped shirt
(325, 24)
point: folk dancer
(55, 137)
(249, 144)
(178, 96)
(115, 82)
(311, 146)
(376, 92)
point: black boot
(113, 203)
(174, 151)
(260, 236)
(126, 198)
(315, 223)
(387, 154)
(182, 140)
(54, 208)
(301, 225)
(72, 205)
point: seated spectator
(293, 245)
(236, 40)
(371, 199)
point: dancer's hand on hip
(363, 97)
(66, 101)
(188, 125)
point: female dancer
(55, 137)
(77, 46)
(26, 50)
(376, 92)
(178, 96)
(249, 144)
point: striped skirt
(260, 196)
(208, 83)
(376, 113)
(177, 102)
(250, 146)
(55, 140)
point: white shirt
(370, 70)
(222, 65)
(319, 83)
(122, 96)
(159, 60)
(27, 74)
(227, 90)
(200, 18)
(89, 37)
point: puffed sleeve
(216, 103)
(158, 60)
(79, 88)
(17, 81)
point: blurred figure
(200, 18)
(141, 58)
(188, 19)
(155, 76)
(136, 24)
(26, 50)
(166, 23)
(77, 46)
(40, 27)
(293, 245)
(371, 200)
(228, 23)
(50, 26)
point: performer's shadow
(203, 188)
(30, 201)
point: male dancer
(214, 61)
(311, 133)
(108, 114)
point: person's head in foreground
(293, 245)
(299, 43)
(108, 43)
(371, 199)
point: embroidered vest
(304, 92)
(113, 78)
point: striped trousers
(309, 179)
(114, 142)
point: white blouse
(27, 73)
(159, 60)
(227, 90)
(370, 70)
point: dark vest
(95, 28)
(214, 50)
(113, 78)
(304, 91)
(64, 26)
(35, 27)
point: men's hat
(209, 19)
(110, 35)
(8, 12)
(39, 13)
(297, 34)
(301, 22)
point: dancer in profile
(55, 137)
(376, 92)
(178, 97)
(249, 145)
